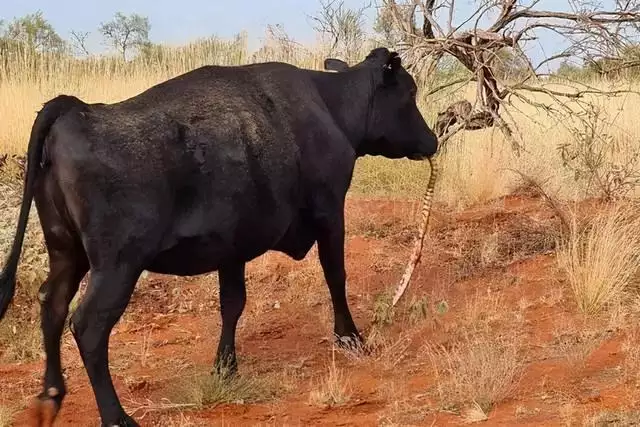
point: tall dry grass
(600, 257)
(475, 167)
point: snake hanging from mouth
(427, 202)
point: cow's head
(394, 126)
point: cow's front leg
(233, 296)
(331, 253)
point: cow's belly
(237, 236)
(199, 255)
(202, 254)
(191, 256)
(299, 238)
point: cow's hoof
(225, 368)
(43, 412)
(352, 343)
(225, 374)
(124, 421)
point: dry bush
(604, 165)
(418, 310)
(600, 258)
(333, 389)
(377, 176)
(389, 352)
(475, 372)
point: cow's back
(210, 158)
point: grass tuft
(475, 372)
(211, 389)
(601, 257)
(333, 389)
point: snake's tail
(427, 201)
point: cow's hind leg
(67, 265)
(66, 271)
(107, 297)
(232, 301)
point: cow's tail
(41, 126)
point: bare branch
(495, 54)
(79, 41)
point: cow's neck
(348, 96)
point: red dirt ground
(492, 265)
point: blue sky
(176, 22)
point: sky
(176, 22)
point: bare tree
(344, 27)
(432, 32)
(126, 32)
(79, 41)
(279, 46)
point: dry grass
(207, 389)
(402, 409)
(333, 389)
(576, 346)
(475, 372)
(6, 416)
(481, 311)
(181, 420)
(601, 257)
(20, 340)
(34, 261)
(614, 418)
(631, 364)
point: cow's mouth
(417, 156)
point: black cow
(203, 172)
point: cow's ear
(332, 64)
(393, 63)
(391, 67)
